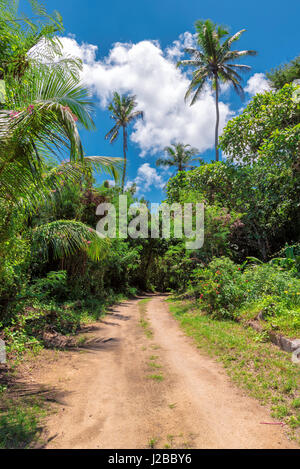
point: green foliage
(19, 426)
(268, 117)
(19, 34)
(286, 73)
(262, 197)
(225, 289)
(266, 279)
(14, 262)
(174, 268)
(44, 103)
(289, 258)
(179, 155)
(63, 238)
(218, 287)
(213, 61)
(54, 285)
(123, 113)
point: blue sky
(146, 68)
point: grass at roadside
(284, 321)
(266, 372)
(25, 334)
(20, 420)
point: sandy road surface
(115, 398)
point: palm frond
(227, 44)
(179, 154)
(230, 78)
(45, 118)
(165, 162)
(211, 59)
(135, 115)
(237, 54)
(199, 85)
(105, 164)
(242, 68)
(64, 238)
(189, 63)
(113, 133)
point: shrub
(266, 279)
(224, 289)
(54, 285)
(219, 287)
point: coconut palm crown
(123, 113)
(179, 155)
(212, 60)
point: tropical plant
(123, 113)
(63, 238)
(268, 124)
(19, 34)
(43, 105)
(213, 62)
(286, 73)
(180, 156)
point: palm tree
(45, 103)
(42, 104)
(40, 120)
(122, 109)
(213, 61)
(179, 155)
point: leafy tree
(265, 194)
(286, 73)
(268, 116)
(213, 62)
(123, 113)
(180, 156)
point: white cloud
(86, 52)
(150, 73)
(257, 84)
(147, 178)
(185, 40)
(128, 185)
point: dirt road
(144, 384)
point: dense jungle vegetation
(56, 273)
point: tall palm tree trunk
(217, 119)
(125, 157)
